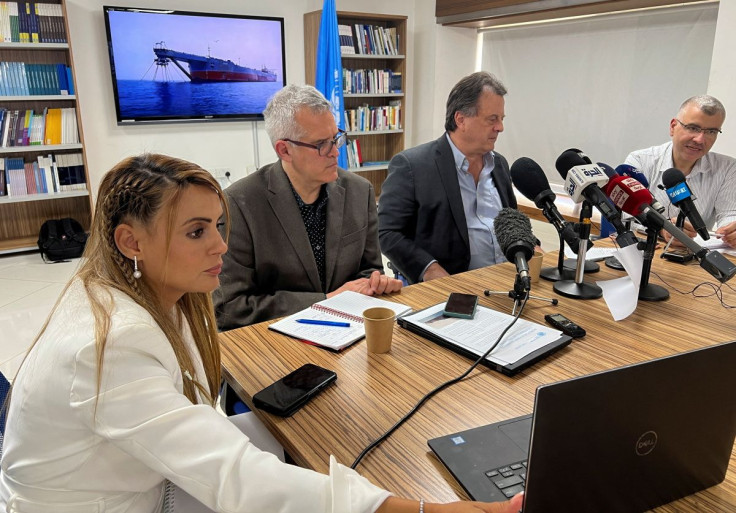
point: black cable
(717, 290)
(375, 443)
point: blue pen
(324, 323)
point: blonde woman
(117, 393)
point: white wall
(722, 82)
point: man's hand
(435, 271)
(397, 505)
(375, 285)
(382, 284)
(687, 228)
(728, 234)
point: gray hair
(706, 103)
(464, 96)
(280, 114)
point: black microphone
(681, 196)
(583, 179)
(514, 234)
(529, 178)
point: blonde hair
(137, 189)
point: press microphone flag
(514, 234)
(635, 199)
(681, 196)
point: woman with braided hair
(116, 394)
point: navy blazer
(420, 211)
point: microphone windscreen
(627, 170)
(514, 233)
(610, 172)
(672, 177)
(528, 177)
(629, 195)
(568, 160)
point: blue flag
(328, 78)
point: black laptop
(623, 440)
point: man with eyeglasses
(710, 176)
(301, 228)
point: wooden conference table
(374, 390)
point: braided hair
(136, 190)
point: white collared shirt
(712, 182)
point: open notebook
(345, 307)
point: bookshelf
(376, 146)
(21, 216)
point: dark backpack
(61, 239)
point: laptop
(623, 440)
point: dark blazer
(269, 269)
(420, 211)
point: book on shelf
(347, 44)
(45, 175)
(28, 127)
(28, 79)
(345, 307)
(376, 40)
(31, 22)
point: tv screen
(174, 66)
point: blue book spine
(70, 80)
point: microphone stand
(580, 289)
(571, 264)
(560, 272)
(520, 291)
(649, 291)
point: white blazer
(61, 455)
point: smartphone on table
(288, 394)
(461, 305)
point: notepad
(344, 306)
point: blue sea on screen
(148, 98)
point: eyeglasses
(696, 130)
(324, 148)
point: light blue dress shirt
(481, 204)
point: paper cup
(535, 266)
(379, 329)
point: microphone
(583, 180)
(514, 234)
(529, 178)
(681, 196)
(632, 172)
(635, 199)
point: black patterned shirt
(314, 216)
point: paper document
(622, 294)
(478, 334)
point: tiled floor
(29, 288)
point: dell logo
(646, 443)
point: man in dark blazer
(301, 229)
(432, 189)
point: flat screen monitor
(177, 66)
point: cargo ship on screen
(210, 69)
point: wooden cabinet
(377, 147)
(21, 216)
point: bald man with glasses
(301, 228)
(711, 176)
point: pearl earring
(136, 273)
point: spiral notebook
(345, 307)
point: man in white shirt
(710, 176)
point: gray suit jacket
(420, 213)
(269, 269)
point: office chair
(4, 389)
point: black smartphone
(461, 305)
(294, 390)
(681, 256)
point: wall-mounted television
(177, 66)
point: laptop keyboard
(509, 479)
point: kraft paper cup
(379, 329)
(535, 266)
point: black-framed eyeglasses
(324, 148)
(696, 130)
